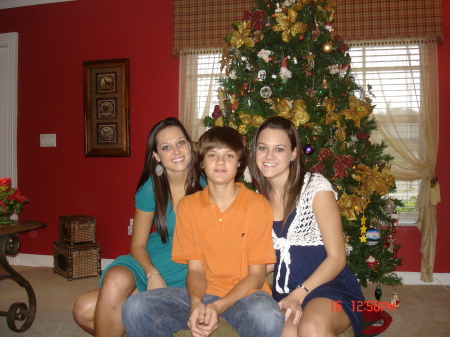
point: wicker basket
(77, 228)
(76, 261)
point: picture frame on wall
(107, 108)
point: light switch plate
(48, 140)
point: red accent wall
(54, 40)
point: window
(393, 75)
(208, 68)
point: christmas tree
(285, 59)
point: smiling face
(220, 165)
(172, 150)
(274, 154)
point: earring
(159, 170)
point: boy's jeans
(162, 312)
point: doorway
(8, 105)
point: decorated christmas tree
(285, 59)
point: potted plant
(11, 201)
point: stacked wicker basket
(76, 254)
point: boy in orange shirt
(224, 234)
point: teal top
(174, 274)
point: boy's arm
(202, 322)
(254, 280)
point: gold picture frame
(107, 108)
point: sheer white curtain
(197, 90)
(412, 134)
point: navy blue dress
(304, 261)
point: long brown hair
(297, 172)
(161, 184)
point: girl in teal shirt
(167, 176)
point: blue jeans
(162, 312)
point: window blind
(199, 26)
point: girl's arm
(141, 230)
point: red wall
(54, 40)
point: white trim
(9, 45)
(4, 4)
(409, 278)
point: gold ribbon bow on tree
(288, 26)
(357, 110)
(330, 7)
(247, 121)
(241, 36)
(332, 117)
(373, 180)
(350, 205)
(340, 165)
(295, 112)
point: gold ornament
(241, 36)
(245, 118)
(372, 180)
(219, 121)
(340, 133)
(301, 115)
(330, 7)
(345, 205)
(257, 120)
(352, 205)
(357, 110)
(295, 112)
(242, 129)
(327, 47)
(288, 26)
(248, 120)
(330, 106)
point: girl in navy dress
(312, 282)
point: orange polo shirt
(226, 243)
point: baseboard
(32, 260)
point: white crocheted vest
(304, 230)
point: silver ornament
(265, 92)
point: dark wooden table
(10, 245)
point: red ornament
(362, 135)
(217, 112)
(343, 48)
(371, 262)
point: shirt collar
(238, 203)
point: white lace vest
(304, 230)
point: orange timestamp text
(364, 306)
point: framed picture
(106, 108)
